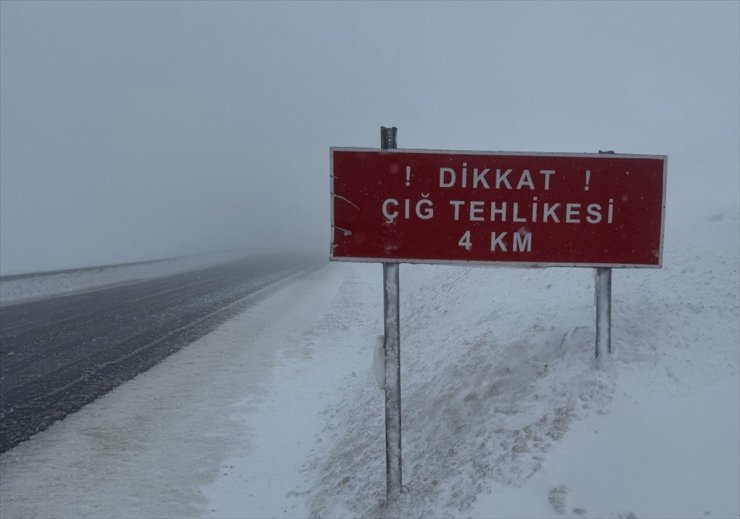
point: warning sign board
(421, 206)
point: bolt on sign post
(394, 206)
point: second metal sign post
(392, 357)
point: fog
(141, 130)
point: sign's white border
(520, 264)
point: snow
(277, 413)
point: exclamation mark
(408, 176)
(588, 179)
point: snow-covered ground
(505, 413)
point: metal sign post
(392, 352)
(603, 296)
(603, 293)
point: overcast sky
(138, 130)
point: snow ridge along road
(61, 353)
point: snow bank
(498, 369)
(506, 414)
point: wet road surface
(58, 354)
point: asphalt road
(58, 354)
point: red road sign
(422, 206)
